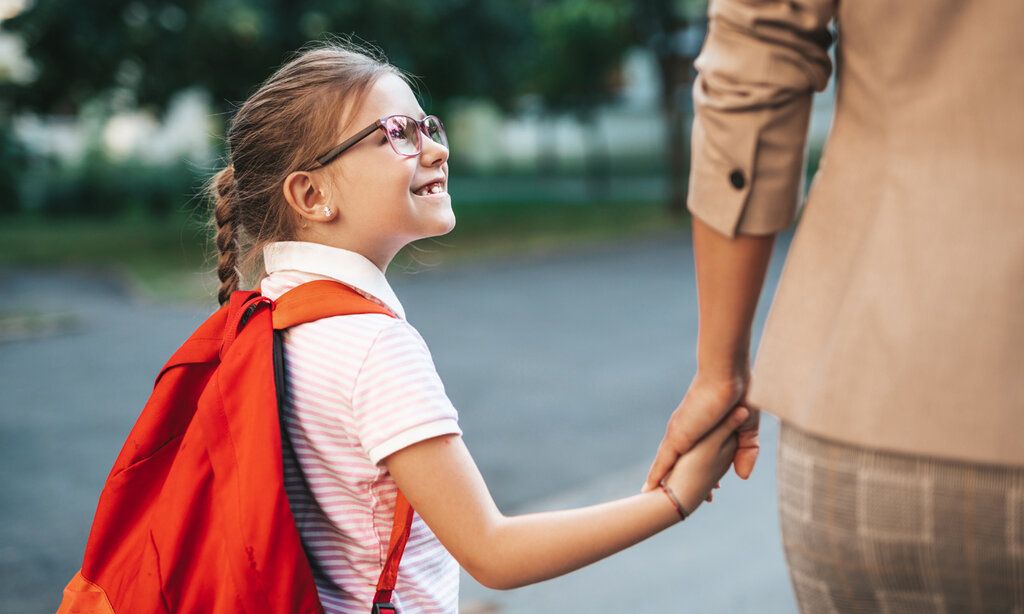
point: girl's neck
(379, 255)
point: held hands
(704, 406)
(698, 471)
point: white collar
(343, 265)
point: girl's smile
(435, 187)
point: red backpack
(194, 515)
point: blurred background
(561, 311)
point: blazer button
(737, 179)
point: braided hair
(224, 213)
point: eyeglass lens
(404, 133)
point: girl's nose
(433, 153)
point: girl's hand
(700, 469)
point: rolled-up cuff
(747, 171)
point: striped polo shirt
(360, 387)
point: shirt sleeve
(756, 74)
(398, 398)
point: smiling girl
(333, 168)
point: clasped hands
(709, 430)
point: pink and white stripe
(360, 388)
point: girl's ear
(305, 196)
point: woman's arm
(444, 486)
(759, 67)
(730, 274)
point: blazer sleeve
(761, 62)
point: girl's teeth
(431, 189)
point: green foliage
(177, 241)
(141, 52)
(99, 186)
(459, 48)
(173, 257)
(580, 44)
(12, 164)
(149, 50)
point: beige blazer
(899, 319)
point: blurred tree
(460, 48)
(577, 62)
(142, 52)
(574, 68)
(12, 162)
(674, 31)
(139, 53)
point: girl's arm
(442, 483)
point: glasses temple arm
(340, 149)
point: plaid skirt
(878, 532)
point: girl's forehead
(389, 95)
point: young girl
(334, 167)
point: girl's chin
(437, 208)
(445, 224)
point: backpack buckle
(383, 608)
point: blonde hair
(279, 129)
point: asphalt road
(564, 369)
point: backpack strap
(318, 299)
(399, 536)
(322, 299)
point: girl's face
(376, 196)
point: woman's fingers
(728, 426)
(663, 463)
(749, 445)
(685, 428)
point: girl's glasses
(403, 132)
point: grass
(155, 256)
(170, 258)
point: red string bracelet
(675, 500)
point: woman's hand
(706, 402)
(697, 471)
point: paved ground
(564, 369)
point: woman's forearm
(531, 548)
(730, 274)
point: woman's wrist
(719, 363)
(727, 383)
(723, 353)
(723, 373)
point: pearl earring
(327, 212)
